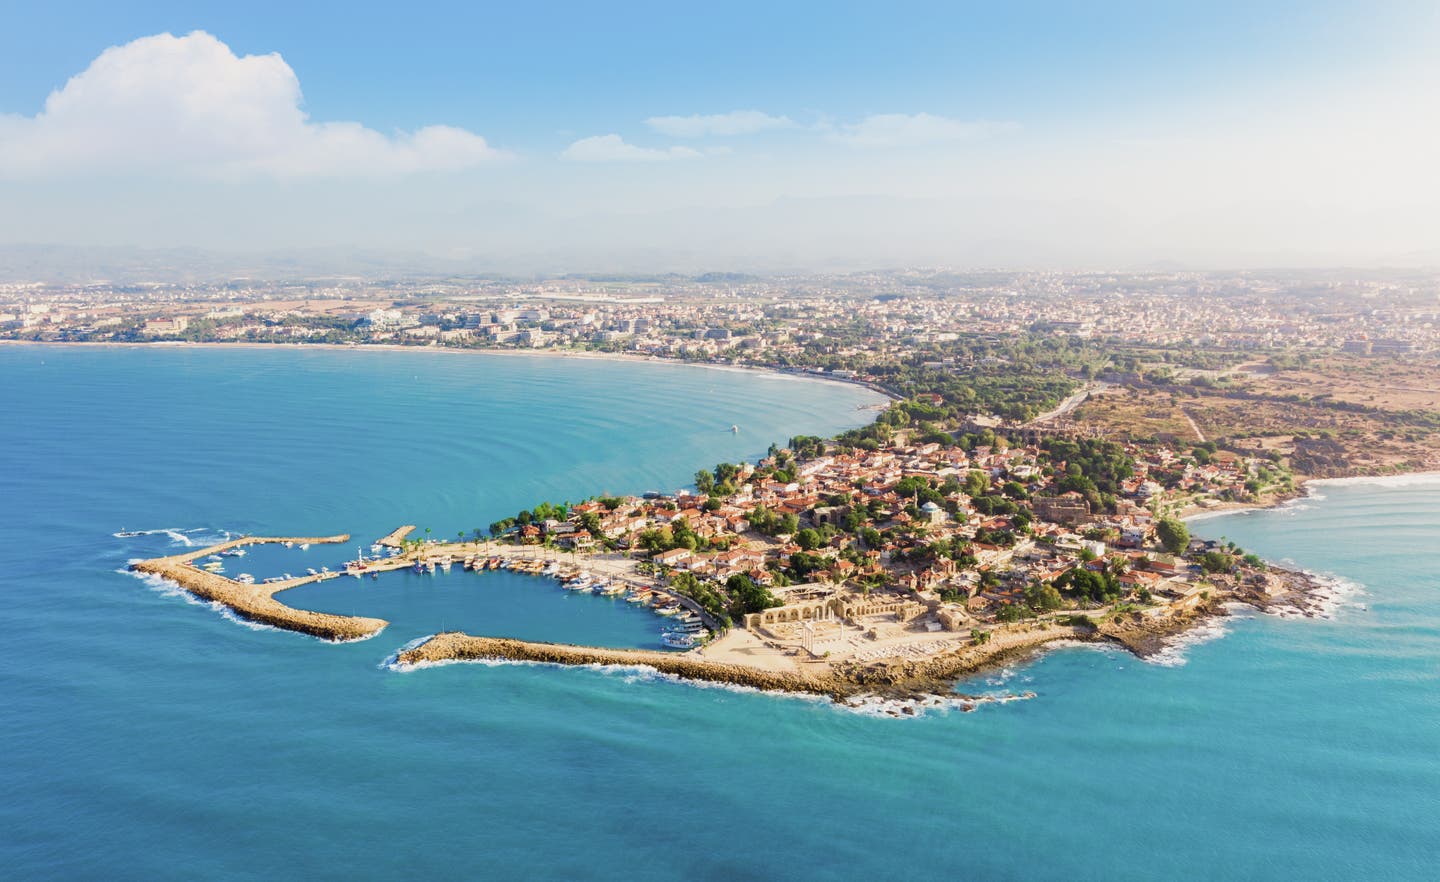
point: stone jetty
(396, 537)
(257, 602)
(458, 646)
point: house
(673, 557)
(1166, 564)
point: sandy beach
(545, 352)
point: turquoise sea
(146, 736)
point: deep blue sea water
(143, 736)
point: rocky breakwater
(256, 603)
(458, 646)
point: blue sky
(995, 133)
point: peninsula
(1046, 438)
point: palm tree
(1118, 565)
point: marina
(687, 625)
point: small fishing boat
(245, 579)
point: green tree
(1043, 597)
(747, 596)
(1217, 562)
(807, 539)
(704, 481)
(1174, 535)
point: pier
(396, 537)
(257, 602)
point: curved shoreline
(543, 352)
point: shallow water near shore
(142, 736)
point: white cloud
(916, 129)
(189, 104)
(736, 122)
(613, 148)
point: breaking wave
(179, 536)
(170, 588)
(865, 705)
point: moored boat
(678, 641)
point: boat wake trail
(178, 535)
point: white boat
(678, 641)
(305, 546)
(245, 579)
(312, 571)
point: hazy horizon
(760, 140)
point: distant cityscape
(831, 322)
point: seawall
(458, 646)
(256, 602)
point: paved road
(1068, 404)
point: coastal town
(753, 319)
(853, 567)
(1336, 373)
(1046, 438)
